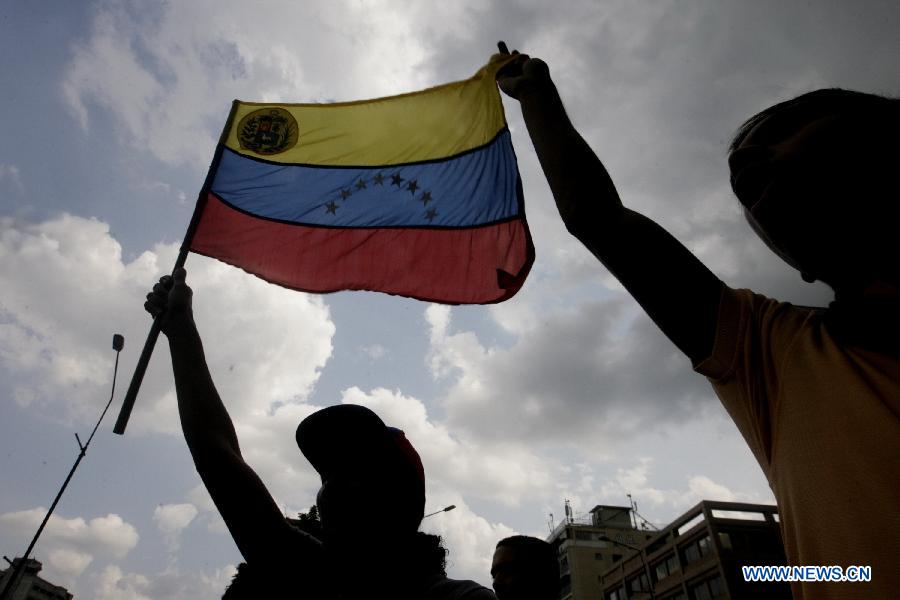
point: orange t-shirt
(823, 420)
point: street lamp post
(12, 582)
(643, 562)
(445, 509)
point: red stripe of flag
(454, 266)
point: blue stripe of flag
(475, 188)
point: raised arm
(259, 529)
(678, 292)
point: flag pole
(141, 368)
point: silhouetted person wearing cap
(525, 568)
(371, 501)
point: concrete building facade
(699, 557)
(588, 547)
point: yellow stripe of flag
(430, 124)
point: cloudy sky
(110, 110)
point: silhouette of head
(815, 175)
(525, 568)
(370, 474)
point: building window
(725, 540)
(666, 567)
(672, 563)
(704, 545)
(696, 550)
(639, 584)
(691, 553)
(709, 589)
(700, 592)
(617, 594)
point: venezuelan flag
(417, 195)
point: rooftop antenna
(551, 524)
(645, 524)
(13, 581)
(633, 511)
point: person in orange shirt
(815, 392)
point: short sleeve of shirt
(754, 335)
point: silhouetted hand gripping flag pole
(417, 195)
(141, 368)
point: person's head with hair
(525, 568)
(816, 176)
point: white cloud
(638, 482)
(269, 447)
(68, 561)
(173, 584)
(69, 545)
(172, 519)
(208, 513)
(115, 584)
(199, 497)
(701, 487)
(109, 535)
(56, 325)
(502, 473)
(167, 82)
(581, 376)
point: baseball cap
(351, 439)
